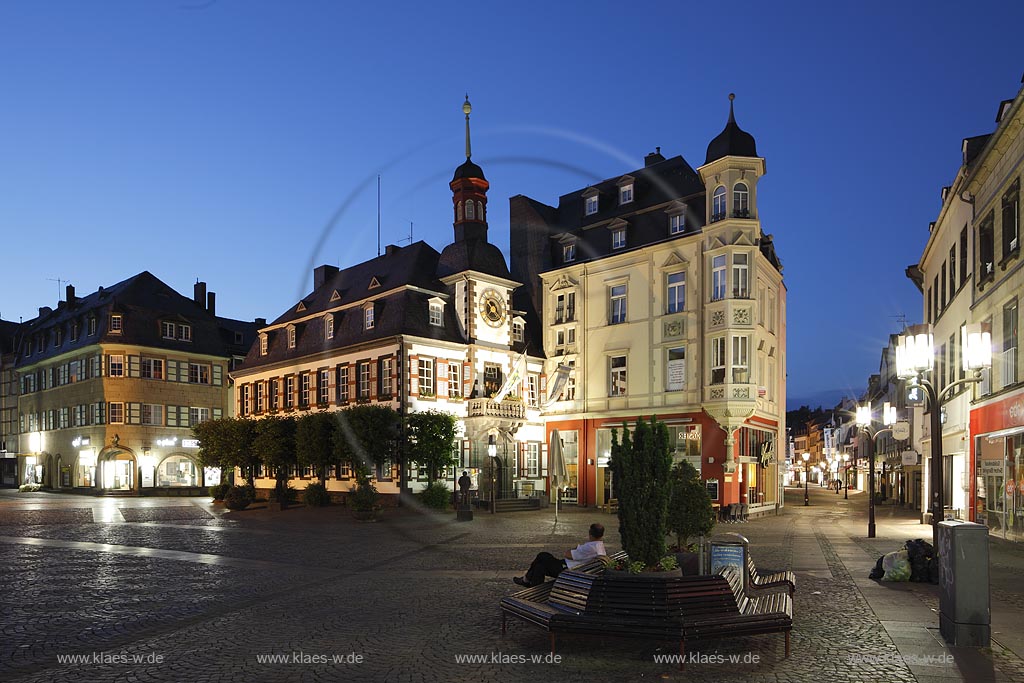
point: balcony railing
(485, 407)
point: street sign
(915, 396)
(901, 430)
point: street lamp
(846, 476)
(864, 422)
(807, 469)
(492, 453)
(915, 356)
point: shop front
(996, 490)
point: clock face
(492, 308)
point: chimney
(653, 158)
(69, 295)
(44, 310)
(211, 303)
(199, 293)
(261, 322)
(322, 274)
(391, 249)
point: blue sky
(239, 142)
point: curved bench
(678, 608)
(786, 579)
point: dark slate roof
(478, 255)
(732, 141)
(973, 147)
(144, 301)
(654, 185)
(404, 311)
(468, 170)
(8, 334)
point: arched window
(458, 215)
(480, 210)
(718, 204)
(740, 200)
(470, 210)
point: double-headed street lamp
(864, 422)
(807, 469)
(915, 356)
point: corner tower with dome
(660, 294)
(414, 329)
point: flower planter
(624, 575)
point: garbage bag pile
(915, 562)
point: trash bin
(965, 615)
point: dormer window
(167, 330)
(740, 200)
(74, 330)
(569, 252)
(58, 337)
(116, 323)
(436, 312)
(92, 325)
(677, 224)
(291, 336)
(329, 327)
(263, 344)
(185, 332)
(368, 317)
(626, 194)
(590, 201)
(518, 330)
(718, 204)
(619, 237)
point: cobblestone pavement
(178, 590)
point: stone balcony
(484, 415)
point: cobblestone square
(124, 589)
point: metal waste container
(965, 615)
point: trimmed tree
(314, 442)
(640, 464)
(689, 505)
(227, 443)
(430, 440)
(366, 436)
(275, 445)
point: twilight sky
(239, 142)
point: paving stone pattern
(408, 594)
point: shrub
(364, 498)
(237, 498)
(689, 507)
(436, 496)
(218, 491)
(316, 496)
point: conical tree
(641, 465)
(689, 507)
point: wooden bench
(584, 601)
(611, 506)
(785, 579)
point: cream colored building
(661, 291)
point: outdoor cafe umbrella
(559, 475)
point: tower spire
(466, 108)
(732, 116)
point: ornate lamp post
(864, 422)
(807, 470)
(846, 476)
(915, 357)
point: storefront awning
(1010, 431)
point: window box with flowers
(428, 395)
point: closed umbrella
(559, 475)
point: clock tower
(474, 269)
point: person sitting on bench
(546, 564)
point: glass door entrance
(117, 474)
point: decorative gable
(301, 307)
(563, 282)
(335, 296)
(675, 259)
(374, 283)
